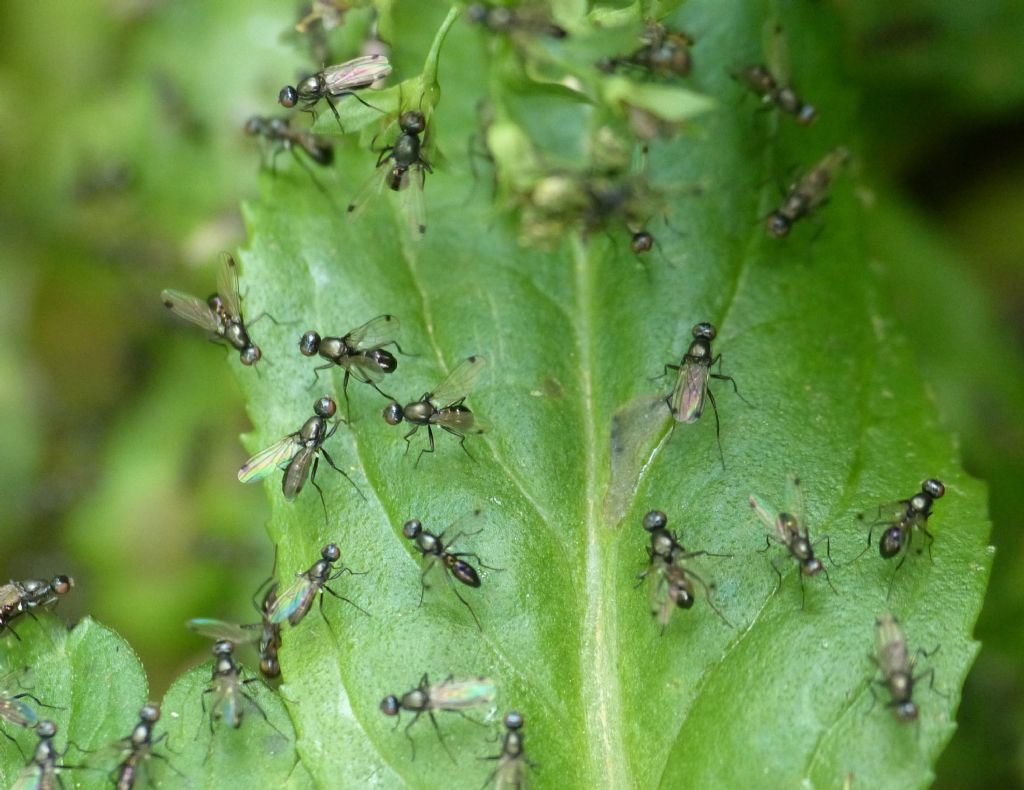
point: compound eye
(412, 528)
(325, 407)
(655, 519)
(288, 97)
(309, 343)
(393, 414)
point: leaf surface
(580, 447)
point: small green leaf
(89, 681)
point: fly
(672, 579)
(361, 353)
(771, 90)
(18, 598)
(443, 407)
(282, 137)
(437, 551)
(512, 761)
(403, 168)
(686, 400)
(790, 530)
(137, 750)
(221, 313)
(665, 53)
(43, 769)
(452, 695)
(228, 688)
(336, 82)
(900, 519)
(13, 707)
(298, 454)
(897, 667)
(293, 603)
(265, 634)
(808, 193)
(531, 20)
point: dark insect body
(790, 530)
(443, 407)
(687, 398)
(293, 603)
(336, 82)
(298, 454)
(531, 20)
(403, 168)
(512, 761)
(900, 519)
(266, 634)
(42, 772)
(279, 132)
(807, 194)
(672, 579)
(762, 82)
(228, 688)
(361, 353)
(138, 750)
(665, 53)
(897, 668)
(220, 314)
(455, 696)
(23, 597)
(437, 551)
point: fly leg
(335, 467)
(430, 448)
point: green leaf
(579, 449)
(64, 667)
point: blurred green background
(122, 166)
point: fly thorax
(140, 735)
(32, 587)
(921, 503)
(901, 685)
(513, 746)
(333, 348)
(661, 544)
(312, 431)
(428, 544)
(416, 700)
(320, 571)
(311, 87)
(235, 334)
(801, 547)
(699, 350)
(419, 412)
(787, 100)
(224, 665)
(407, 150)
(891, 542)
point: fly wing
(763, 512)
(459, 383)
(461, 421)
(795, 498)
(18, 712)
(297, 472)
(191, 308)
(219, 629)
(459, 694)
(227, 285)
(370, 189)
(691, 387)
(373, 334)
(357, 73)
(413, 205)
(266, 461)
(364, 369)
(293, 602)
